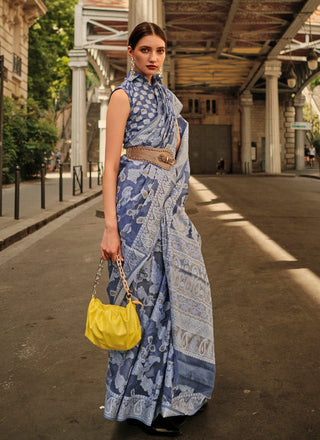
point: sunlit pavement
(260, 240)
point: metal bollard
(81, 183)
(74, 182)
(99, 174)
(90, 174)
(43, 193)
(17, 193)
(60, 183)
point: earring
(132, 66)
(160, 71)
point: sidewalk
(260, 241)
(32, 217)
(313, 173)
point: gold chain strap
(122, 276)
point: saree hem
(145, 412)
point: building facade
(16, 16)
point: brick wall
(228, 113)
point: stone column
(273, 160)
(151, 10)
(246, 103)
(289, 153)
(79, 63)
(142, 10)
(103, 98)
(299, 101)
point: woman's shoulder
(125, 85)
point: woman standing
(171, 371)
(312, 153)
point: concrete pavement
(261, 246)
(32, 217)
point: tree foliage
(315, 82)
(50, 39)
(29, 136)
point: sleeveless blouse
(153, 113)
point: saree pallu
(171, 371)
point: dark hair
(144, 29)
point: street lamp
(292, 78)
(312, 60)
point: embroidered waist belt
(162, 157)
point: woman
(171, 371)
(306, 155)
(312, 153)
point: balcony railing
(16, 64)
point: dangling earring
(132, 66)
(160, 71)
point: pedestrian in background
(306, 155)
(312, 153)
(170, 373)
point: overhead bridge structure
(238, 66)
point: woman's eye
(144, 50)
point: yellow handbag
(113, 327)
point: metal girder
(103, 32)
(288, 35)
(237, 36)
(308, 8)
(232, 12)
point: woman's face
(148, 55)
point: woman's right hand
(110, 245)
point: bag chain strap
(122, 276)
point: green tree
(315, 82)
(29, 136)
(50, 39)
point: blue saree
(171, 371)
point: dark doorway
(208, 143)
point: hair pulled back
(144, 29)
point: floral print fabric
(171, 371)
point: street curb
(310, 176)
(33, 225)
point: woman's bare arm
(179, 138)
(118, 112)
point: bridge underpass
(239, 54)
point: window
(16, 64)
(190, 108)
(196, 105)
(211, 106)
(16, 61)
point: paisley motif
(172, 370)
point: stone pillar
(103, 99)
(273, 160)
(79, 63)
(299, 101)
(151, 10)
(246, 103)
(289, 153)
(142, 10)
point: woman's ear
(130, 52)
